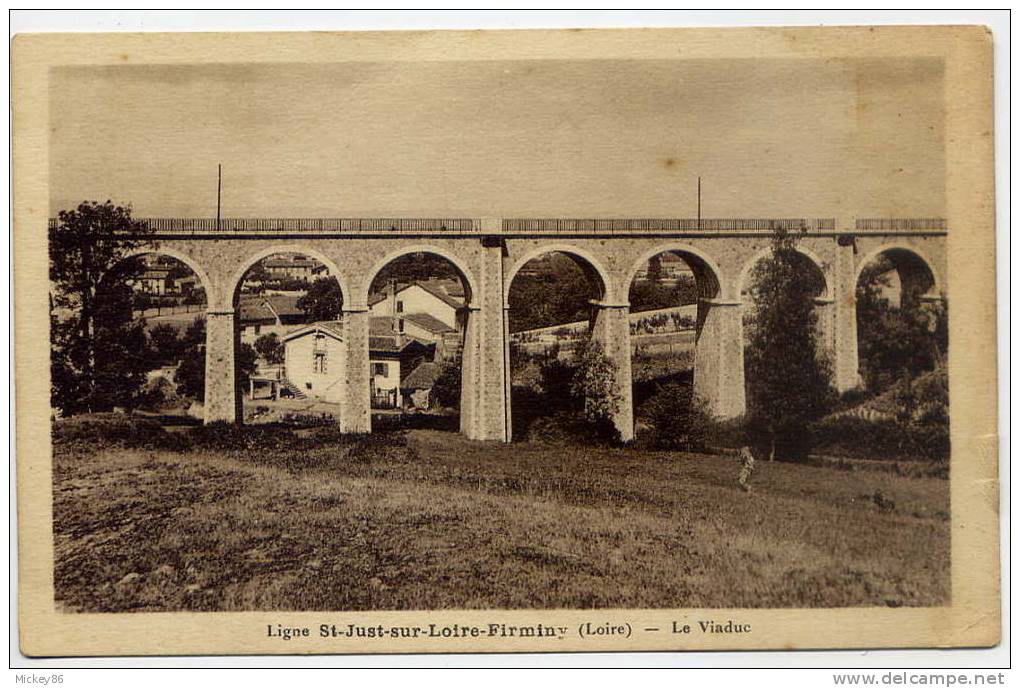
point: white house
(440, 299)
(314, 361)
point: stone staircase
(294, 390)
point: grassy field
(219, 519)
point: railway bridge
(489, 252)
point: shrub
(556, 377)
(882, 440)
(678, 418)
(446, 388)
(110, 429)
(594, 388)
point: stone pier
(356, 404)
(719, 358)
(222, 396)
(612, 328)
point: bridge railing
(900, 224)
(511, 226)
(685, 224)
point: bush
(881, 440)
(678, 418)
(446, 389)
(556, 378)
(110, 429)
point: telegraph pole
(219, 187)
(699, 204)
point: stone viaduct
(488, 253)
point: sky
(584, 138)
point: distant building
(314, 362)
(672, 267)
(297, 267)
(275, 313)
(153, 280)
(441, 299)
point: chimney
(392, 289)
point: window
(400, 306)
(380, 369)
(400, 325)
(258, 328)
(319, 362)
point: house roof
(333, 328)
(429, 322)
(384, 325)
(422, 377)
(434, 287)
(256, 308)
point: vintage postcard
(541, 341)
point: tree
(195, 296)
(190, 375)
(164, 342)
(678, 418)
(594, 387)
(98, 353)
(654, 269)
(323, 300)
(788, 382)
(895, 343)
(446, 388)
(270, 348)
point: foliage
(678, 418)
(270, 348)
(323, 300)
(594, 387)
(191, 372)
(446, 388)
(554, 291)
(195, 296)
(788, 382)
(415, 266)
(649, 295)
(895, 343)
(98, 354)
(194, 334)
(556, 380)
(190, 376)
(655, 268)
(164, 343)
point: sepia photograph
(492, 332)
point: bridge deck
(706, 227)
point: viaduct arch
(489, 252)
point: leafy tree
(194, 335)
(164, 342)
(655, 269)
(678, 418)
(686, 290)
(195, 296)
(323, 301)
(98, 353)
(446, 388)
(270, 348)
(190, 375)
(556, 291)
(415, 266)
(895, 343)
(594, 387)
(788, 383)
